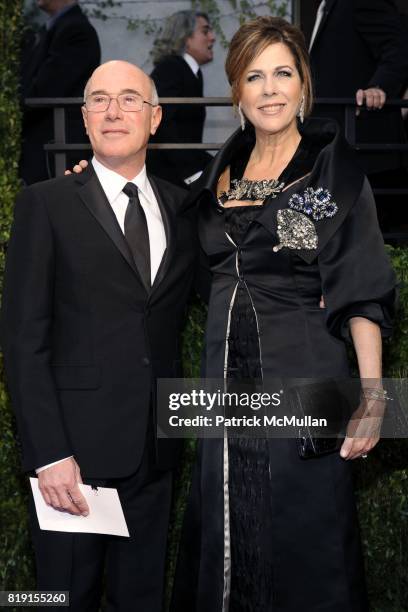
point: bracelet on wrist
(375, 394)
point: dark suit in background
(173, 77)
(58, 65)
(84, 342)
(403, 8)
(362, 44)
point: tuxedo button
(145, 361)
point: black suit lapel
(94, 198)
(164, 201)
(199, 78)
(193, 84)
(328, 9)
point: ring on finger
(71, 499)
(364, 456)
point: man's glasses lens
(127, 102)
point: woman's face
(271, 90)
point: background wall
(120, 41)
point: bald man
(99, 268)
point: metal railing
(60, 147)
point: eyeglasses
(128, 102)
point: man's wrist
(44, 467)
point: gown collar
(334, 167)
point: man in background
(359, 49)
(58, 64)
(185, 44)
(403, 9)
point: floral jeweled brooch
(244, 189)
(295, 228)
(315, 203)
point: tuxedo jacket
(362, 44)
(83, 340)
(58, 65)
(173, 77)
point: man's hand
(78, 167)
(59, 487)
(374, 97)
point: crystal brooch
(295, 231)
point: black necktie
(136, 233)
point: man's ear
(187, 44)
(156, 118)
(85, 117)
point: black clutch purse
(323, 414)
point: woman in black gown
(285, 217)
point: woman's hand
(78, 167)
(364, 428)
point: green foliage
(382, 481)
(396, 353)
(16, 566)
(383, 510)
(192, 348)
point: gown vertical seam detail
(227, 536)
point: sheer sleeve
(357, 277)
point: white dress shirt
(192, 62)
(112, 184)
(319, 17)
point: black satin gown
(250, 506)
(266, 531)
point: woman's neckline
(292, 173)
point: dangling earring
(301, 112)
(241, 117)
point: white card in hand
(105, 513)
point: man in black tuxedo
(185, 44)
(359, 48)
(99, 268)
(403, 9)
(58, 65)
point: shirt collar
(191, 62)
(51, 21)
(113, 183)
